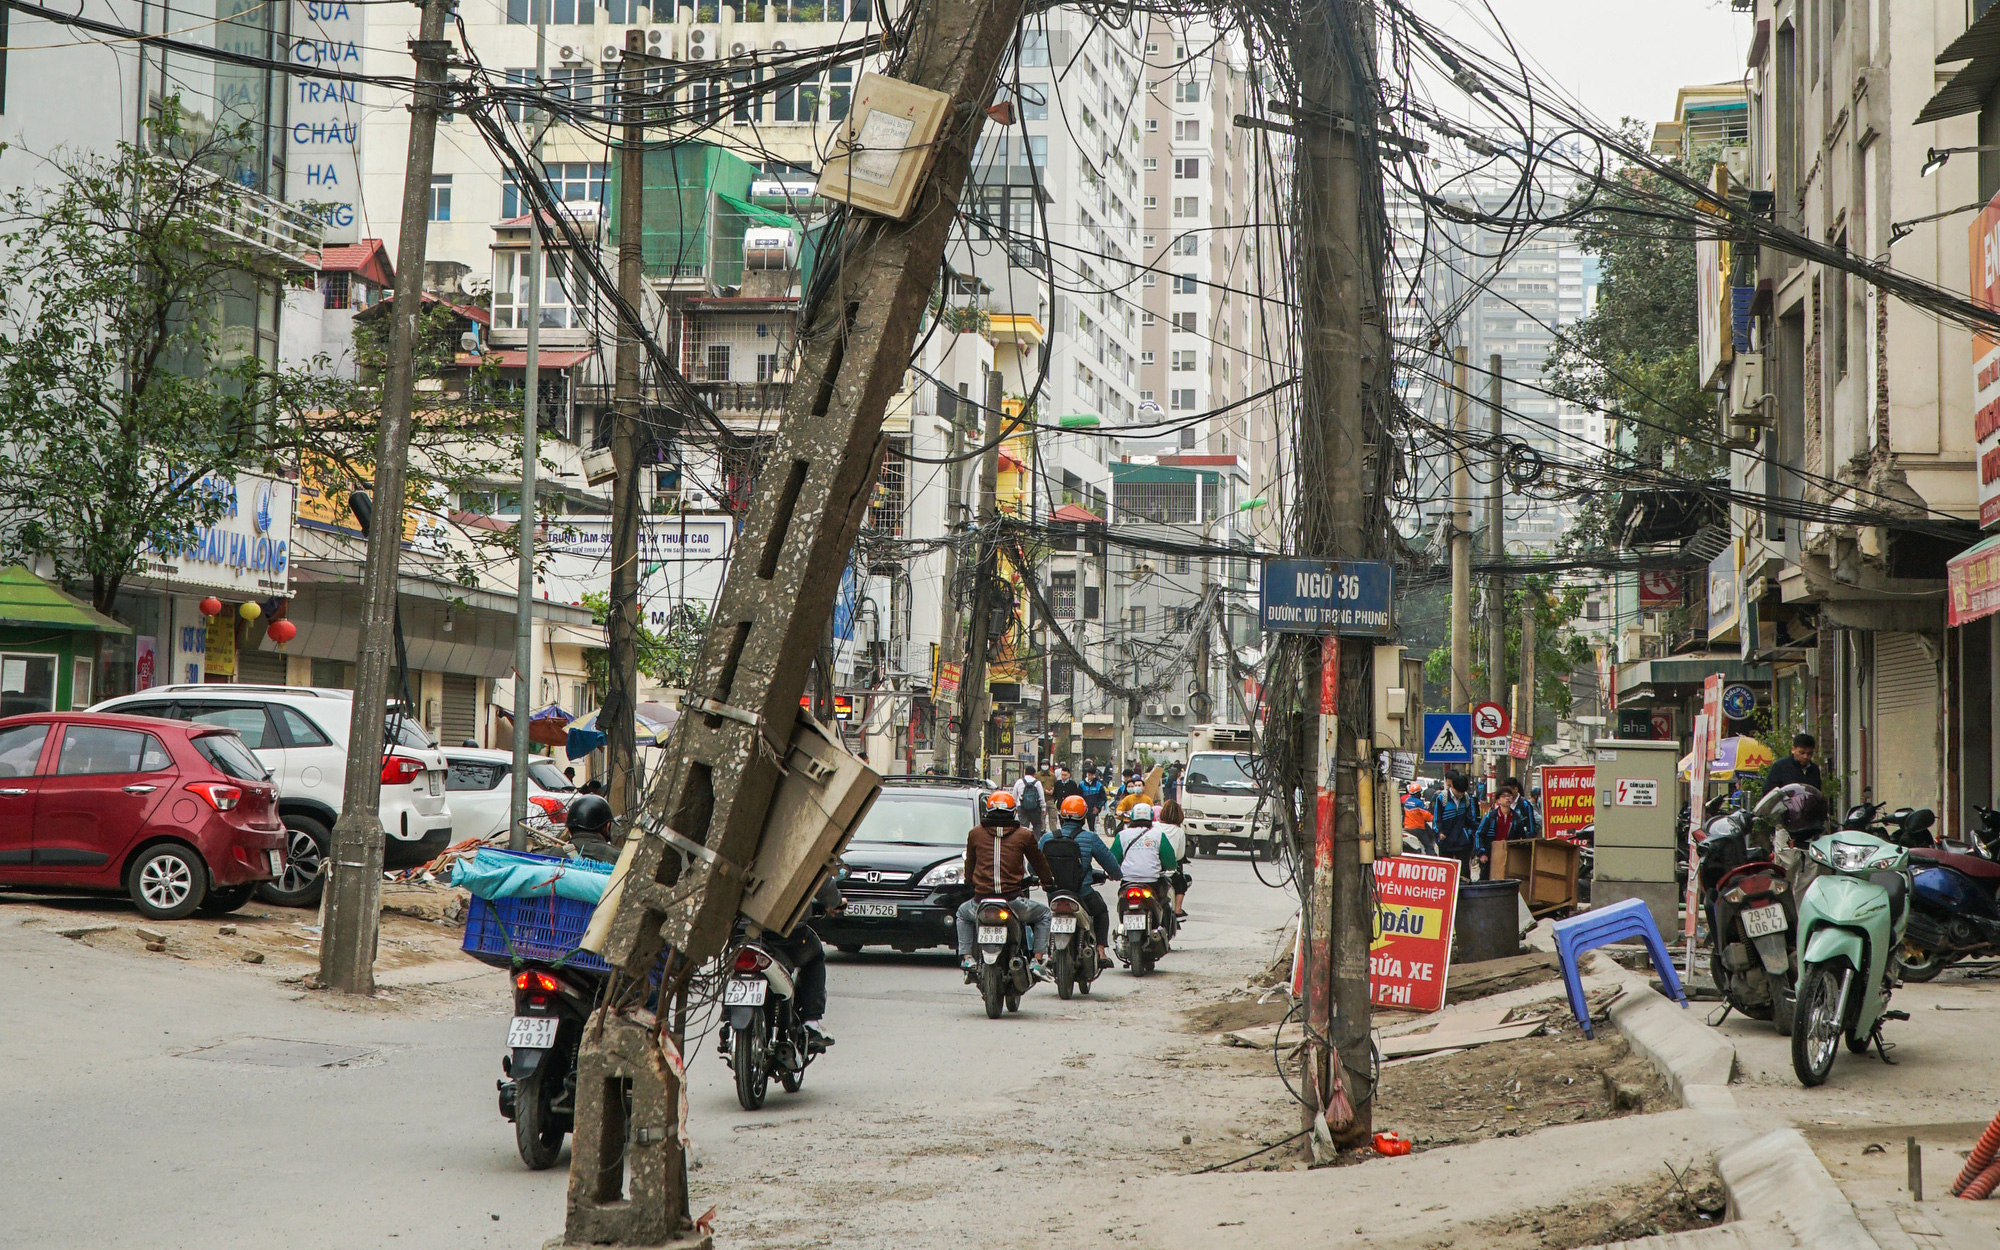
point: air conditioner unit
(779, 45)
(660, 41)
(1746, 390)
(740, 48)
(1177, 709)
(569, 52)
(611, 54)
(698, 45)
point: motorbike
(1955, 902)
(1747, 899)
(1072, 943)
(538, 1089)
(1146, 923)
(762, 1034)
(1854, 905)
(1002, 973)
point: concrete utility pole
(524, 586)
(705, 814)
(354, 873)
(944, 742)
(1529, 599)
(1461, 542)
(1496, 551)
(615, 719)
(974, 699)
(1345, 343)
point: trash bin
(1489, 921)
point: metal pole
(1461, 543)
(524, 588)
(354, 873)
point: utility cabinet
(1638, 809)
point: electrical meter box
(1638, 807)
(822, 798)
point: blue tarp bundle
(497, 874)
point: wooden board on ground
(1497, 976)
(1459, 1031)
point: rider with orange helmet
(1071, 849)
(997, 852)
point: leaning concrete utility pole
(1343, 346)
(704, 815)
(1461, 542)
(354, 872)
(621, 700)
(975, 702)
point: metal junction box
(822, 798)
(1638, 807)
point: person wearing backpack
(1029, 798)
(1092, 790)
(1452, 818)
(1071, 848)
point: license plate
(1062, 924)
(532, 1032)
(436, 781)
(277, 863)
(745, 993)
(995, 935)
(884, 911)
(1133, 922)
(1759, 921)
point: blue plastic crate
(544, 927)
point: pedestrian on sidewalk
(1453, 823)
(1796, 769)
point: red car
(179, 815)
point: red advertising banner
(1659, 589)
(1973, 577)
(1708, 726)
(1416, 903)
(1569, 797)
(1983, 235)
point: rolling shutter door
(261, 668)
(1906, 722)
(460, 721)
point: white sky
(1618, 58)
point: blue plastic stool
(1601, 927)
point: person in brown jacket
(1017, 849)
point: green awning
(754, 212)
(29, 602)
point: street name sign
(1328, 597)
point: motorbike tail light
(751, 960)
(220, 797)
(1138, 893)
(993, 913)
(1733, 894)
(1063, 907)
(535, 979)
(399, 770)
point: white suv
(300, 734)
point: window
(440, 197)
(1184, 400)
(510, 291)
(1146, 397)
(1187, 130)
(299, 729)
(1146, 358)
(796, 104)
(95, 750)
(1152, 49)
(1062, 596)
(1149, 239)
(474, 775)
(749, 102)
(231, 755)
(247, 719)
(1090, 603)
(21, 749)
(80, 673)
(1062, 675)
(1187, 91)
(767, 366)
(1034, 48)
(1184, 362)
(1185, 284)
(715, 367)
(1152, 201)
(571, 182)
(840, 87)
(336, 287)
(1034, 150)
(1147, 318)
(1188, 245)
(1149, 281)
(571, 82)
(1152, 125)
(1187, 167)
(554, 12)
(1187, 439)
(1151, 163)
(1138, 618)
(1187, 206)
(1593, 610)
(1184, 322)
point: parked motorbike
(1146, 923)
(762, 1034)
(1072, 943)
(1955, 902)
(538, 1092)
(1854, 905)
(1002, 973)
(1747, 899)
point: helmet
(1141, 814)
(1075, 806)
(589, 814)
(997, 809)
(1415, 787)
(1797, 807)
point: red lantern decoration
(282, 632)
(211, 606)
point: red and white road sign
(1489, 720)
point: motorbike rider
(1169, 825)
(1075, 826)
(588, 822)
(1144, 853)
(808, 959)
(1004, 879)
(1417, 817)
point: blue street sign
(1328, 597)
(1448, 737)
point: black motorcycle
(762, 1035)
(538, 1092)
(1001, 968)
(1747, 899)
(1072, 944)
(1954, 902)
(1146, 923)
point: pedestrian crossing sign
(1448, 737)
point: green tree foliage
(1558, 651)
(667, 656)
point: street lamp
(1079, 421)
(1936, 157)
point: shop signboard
(1985, 288)
(1659, 588)
(1973, 578)
(1416, 903)
(323, 143)
(245, 553)
(1569, 797)
(1725, 595)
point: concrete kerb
(1695, 1060)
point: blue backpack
(1453, 815)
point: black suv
(903, 874)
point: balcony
(279, 234)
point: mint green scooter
(1852, 911)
